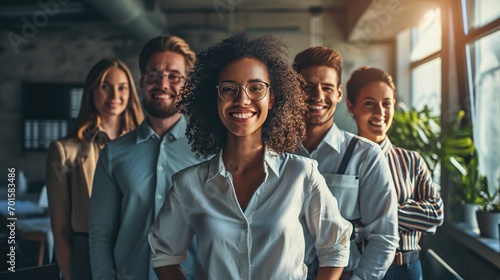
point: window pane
(481, 12)
(426, 37)
(426, 86)
(485, 102)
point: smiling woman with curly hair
(253, 205)
(285, 125)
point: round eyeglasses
(256, 91)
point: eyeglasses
(228, 91)
(152, 77)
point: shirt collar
(273, 162)
(334, 137)
(145, 132)
(386, 145)
(216, 166)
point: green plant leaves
(490, 200)
(451, 147)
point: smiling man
(355, 170)
(134, 172)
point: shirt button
(170, 137)
(163, 145)
(159, 196)
(160, 168)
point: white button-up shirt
(266, 241)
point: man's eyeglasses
(256, 91)
(153, 77)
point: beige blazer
(69, 175)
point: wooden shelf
(49, 111)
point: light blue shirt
(266, 241)
(132, 176)
(366, 193)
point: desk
(31, 224)
(23, 208)
(38, 229)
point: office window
(480, 13)
(426, 37)
(425, 65)
(426, 86)
(482, 51)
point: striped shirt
(420, 207)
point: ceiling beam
(384, 19)
(355, 10)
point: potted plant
(467, 192)
(488, 216)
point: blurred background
(443, 54)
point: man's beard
(159, 111)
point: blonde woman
(110, 107)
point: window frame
(419, 62)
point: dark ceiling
(140, 16)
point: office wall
(65, 52)
(56, 53)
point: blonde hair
(166, 43)
(88, 117)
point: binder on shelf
(63, 127)
(48, 112)
(36, 135)
(54, 126)
(76, 100)
(46, 130)
(28, 136)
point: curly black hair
(285, 125)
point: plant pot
(470, 214)
(488, 224)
